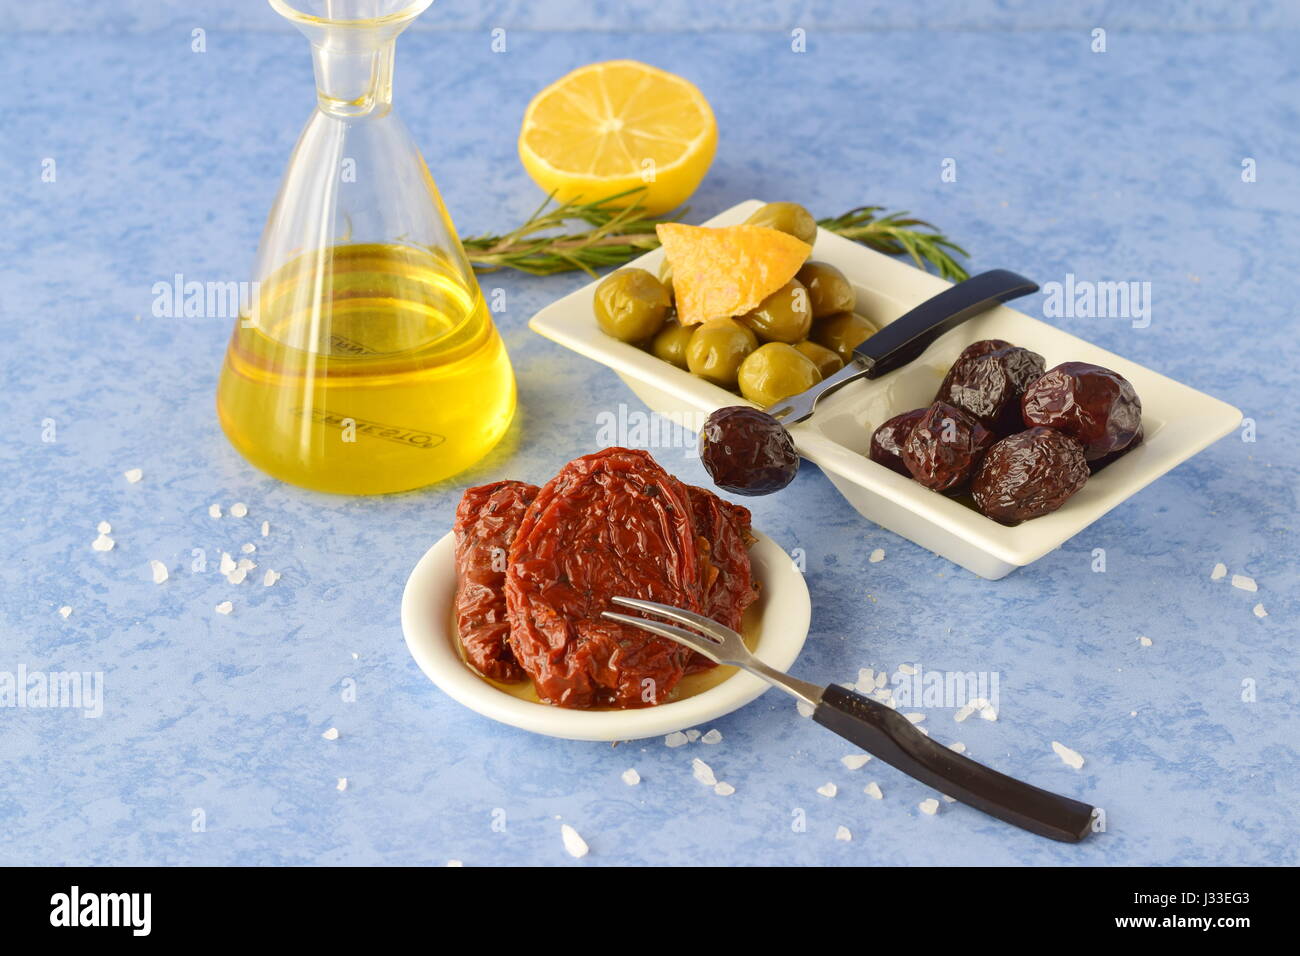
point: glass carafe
(365, 361)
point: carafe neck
(354, 80)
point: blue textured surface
(1122, 165)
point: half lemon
(610, 127)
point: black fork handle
(888, 735)
(907, 337)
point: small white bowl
(427, 624)
(1178, 421)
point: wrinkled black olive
(1028, 475)
(747, 451)
(945, 447)
(887, 440)
(1093, 405)
(988, 379)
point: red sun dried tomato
(486, 521)
(611, 523)
(723, 536)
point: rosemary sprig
(614, 236)
(896, 235)
(542, 246)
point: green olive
(631, 305)
(784, 316)
(787, 217)
(716, 350)
(828, 289)
(842, 333)
(776, 371)
(827, 362)
(670, 344)
(666, 279)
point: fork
(879, 730)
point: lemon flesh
(615, 126)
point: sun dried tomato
(613, 523)
(486, 521)
(723, 536)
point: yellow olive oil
(365, 369)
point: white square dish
(1178, 421)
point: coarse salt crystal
(239, 509)
(930, 806)
(1244, 583)
(630, 777)
(828, 789)
(225, 607)
(266, 528)
(270, 578)
(881, 678)
(1220, 570)
(103, 543)
(455, 863)
(957, 747)
(133, 475)
(159, 571)
(676, 739)
(342, 784)
(805, 709)
(873, 790)
(246, 564)
(842, 833)
(227, 563)
(712, 737)
(1072, 758)
(855, 761)
(1144, 641)
(963, 712)
(104, 527)
(866, 680)
(65, 611)
(703, 772)
(331, 734)
(948, 799)
(723, 789)
(1259, 611)
(574, 845)
(915, 718)
(907, 669)
(214, 511)
(877, 556)
(692, 735)
(248, 547)
(237, 576)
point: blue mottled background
(1118, 165)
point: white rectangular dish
(1178, 421)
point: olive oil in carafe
(364, 369)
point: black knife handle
(887, 734)
(907, 337)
